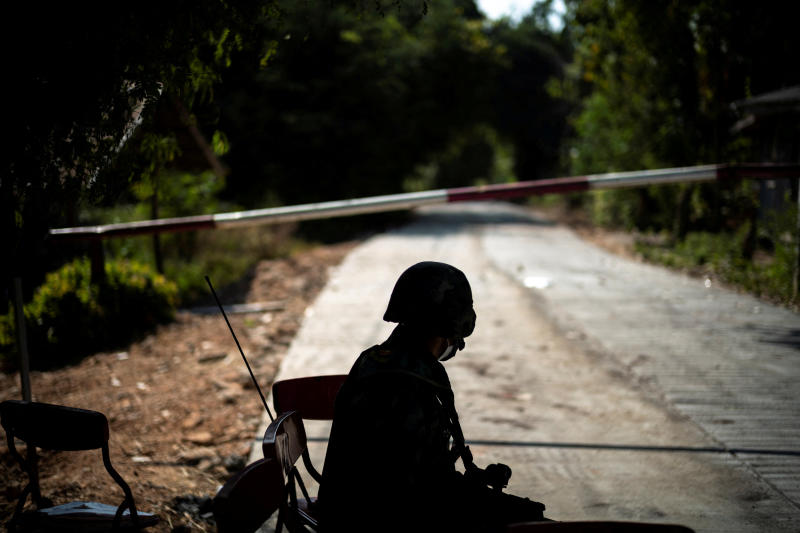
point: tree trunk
(159, 259)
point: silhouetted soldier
(390, 464)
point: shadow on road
(778, 335)
(441, 221)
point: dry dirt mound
(182, 410)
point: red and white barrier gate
(395, 202)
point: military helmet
(435, 298)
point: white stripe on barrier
(337, 208)
(616, 180)
(393, 202)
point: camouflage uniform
(389, 465)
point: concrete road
(614, 390)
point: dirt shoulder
(181, 407)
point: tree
(655, 81)
(350, 102)
(527, 113)
(81, 77)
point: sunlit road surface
(614, 390)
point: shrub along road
(181, 408)
(614, 389)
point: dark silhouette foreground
(390, 464)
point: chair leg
(32, 463)
(310, 467)
(279, 525)
(29, 465)
(303, 490)
(12, 524)
(295, 522)
(126, 489)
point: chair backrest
(250, 497)
(596, 526)
(285, 440)
(313, 397)
(54, 427)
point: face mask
(448, 353)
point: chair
(596, 527)
(250, 497)
(61, 428)
(313, 398)
(285, 442)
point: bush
(69, 317)
(769, 274)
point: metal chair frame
(60, 428)
(285, 442)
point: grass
(225, 256)
(768, 274)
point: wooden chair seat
(313, 397)
(250, 497)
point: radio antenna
(240, 350)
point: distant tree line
(307, 101)
(353, 103)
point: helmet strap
(448, 352)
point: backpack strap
(460, 448)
